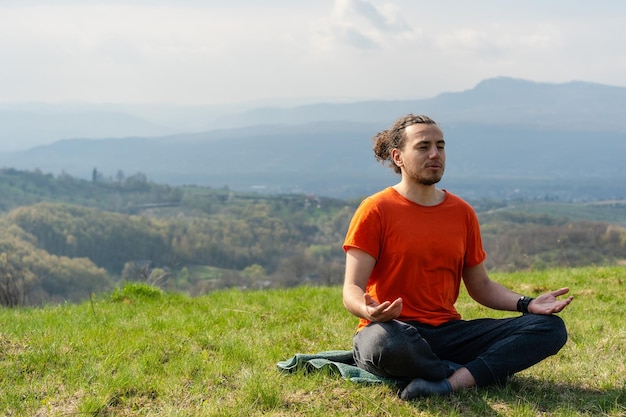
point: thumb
(369, 300)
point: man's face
(423, 157)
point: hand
(384, 311)
(548, 303)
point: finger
(560, 291)
(379, 309)
(560, 306)
(395, 309)
(397, 302)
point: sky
(216, 51)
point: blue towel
(337, 361)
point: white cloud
(362, 12)
(195, 51)
(360, 24)
(496, 40)
(120, 52)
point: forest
(63, 239)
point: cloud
(355, 38)
(356, 10)
(121, 52)
(198, 51)
(496, 40)
(361, 25)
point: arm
(359, 266)
(494, 295)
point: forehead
(424, 132)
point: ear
(396, 157)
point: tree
(257, 275)
(14, 282)
(330, 273)
(119, 177)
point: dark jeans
(491, 349)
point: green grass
(142, 352)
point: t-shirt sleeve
(364, 232)
(475, 253)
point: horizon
(25, 126)
(277, 102)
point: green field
(610, 211)
(142, 352)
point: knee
(380, 340)
(554, 328)
(395, 349)
(389, 341)
(559, 330)
(373, 347)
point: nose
(434, 153)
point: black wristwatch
(522, 304)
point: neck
(424, 195)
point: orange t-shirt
(420, 252)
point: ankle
(460, 379)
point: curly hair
(387, 140)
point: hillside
(506, 139)
(495, 101)
(20, 128)
(483, 161)
(62, 238)
(139, 351)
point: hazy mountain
(20, 129)
(574, 105)
(336, 159)
(498, 101)
(505, 138)
(26, 125)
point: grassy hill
(62, 238)
(139, 351)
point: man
(408, 248)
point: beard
(429, 179)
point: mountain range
(505, 138)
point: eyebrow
(429, 141)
